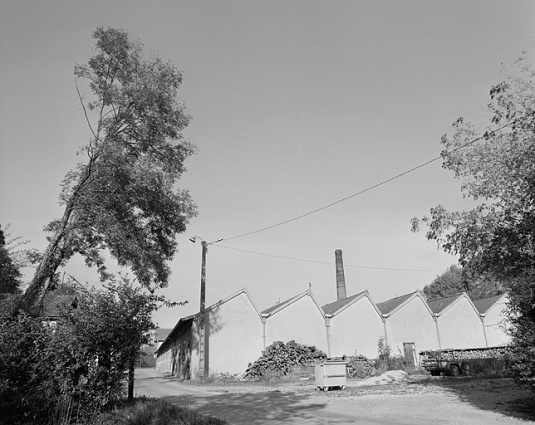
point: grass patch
(148, 411)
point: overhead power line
(325, 262)
(367, 189)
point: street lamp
(203, 336)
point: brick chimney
(340, 278)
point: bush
(278, 359)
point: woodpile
(468, 354)
(279, 358)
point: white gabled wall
(235, 331)
(412, 322)
(301, 321)
(496, 324)
(460, 326)
(356, 329)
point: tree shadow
(500, 395)
(262, 408)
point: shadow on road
(259, 408)
(499, 395)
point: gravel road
(299, 403)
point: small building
(458, 321)
(354, 325)
(410, 325)
(148, 351)
(299, 318)
(234, 339)
(493, 311)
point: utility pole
(204, 337)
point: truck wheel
(465, 367)
(454, 370)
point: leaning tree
(122, 198)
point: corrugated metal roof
(334, 307)
(440, 304)
(485, 304)
(387, 307)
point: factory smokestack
(340, 278)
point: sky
(295, 105)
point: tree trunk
(52, 258)
(131, 380)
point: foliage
(279, 358)
(10, 276)
(79, 365)
(386, 360)
(462, 279)
(148, 411)
(497, 169)
(360, 366)
(123, 198)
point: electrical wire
(369, 188)
(326, 262)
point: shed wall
(356, 329)
(460, 326)
(301, 321)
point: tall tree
(497, 168)
(463, 279)
(9, 273)
(123, 197)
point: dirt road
(296, 404)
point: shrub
(148, 411)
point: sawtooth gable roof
(279, 306)
(484, 305)
(332, 309)
(185, 320)
(389, 306)
(439, 305)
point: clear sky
(295, 105)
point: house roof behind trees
(53, 304)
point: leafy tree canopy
(10, 276)
(497, 168)
(462, 279)
(123, 197)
